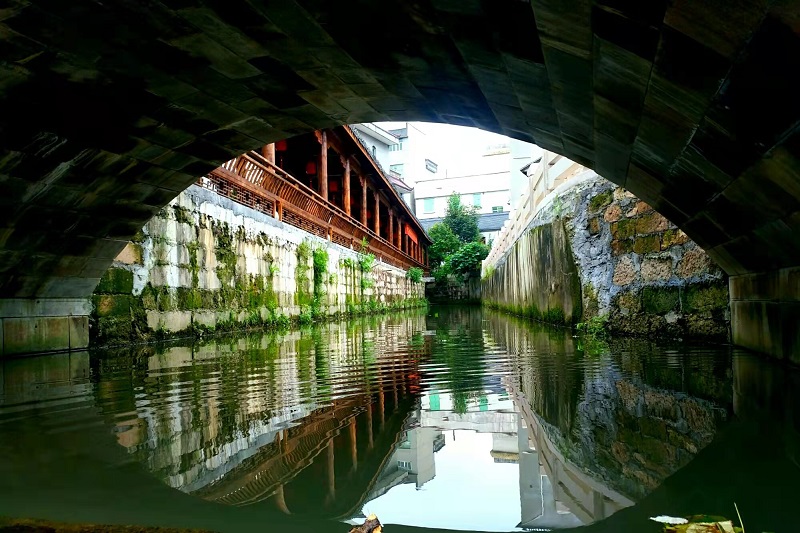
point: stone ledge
(45, 307)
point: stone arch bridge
(109, 109)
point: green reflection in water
(310, 424)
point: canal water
(451, 418)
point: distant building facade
(489, 224)
(485, 182)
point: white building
(414, 157)
(379, 141)
(484, 182)
(489, 182)
(382, 144)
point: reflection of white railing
(552, 171)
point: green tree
(462, 219)
(444, 242)
(466, 261)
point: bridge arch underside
(109, 110)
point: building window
(431, 166)
(396, 147)
(398, 168)
(497, 209)
(427, 205)
(373, 152)
(476, 200)
(404, 465)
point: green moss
(106, 305)
(194, 266)
(649, 244)
(600, 201)
(182, 215)
(553, 316)
(225, 253)
(138, 253)
(303, 297)
(709, 297)
(115, 281)
(660, 300)
(623, 229)
(591, 305)
(188, 299)
(320, 270)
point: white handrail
(541, 183)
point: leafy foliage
(595, 326)
(441, 272)
(467, 260)
(414, 274)
(366, 262)
(462, 219)
(445, 242)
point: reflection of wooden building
(323, 466)
(328, 184)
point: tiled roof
(486, 221)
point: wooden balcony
(252, 180)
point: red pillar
(377, 214)
(391, 227)
(363, 201)
(346, 187)
(323, 167)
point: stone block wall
(206, 263)
(661, 282)
(454, 290)
(633, 267)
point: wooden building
(328, 184)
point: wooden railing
(552, 171)
(253, 181)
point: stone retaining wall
(206, 263)
(632, 266)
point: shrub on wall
(466, 262)
(414, 274)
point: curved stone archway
(109, 110)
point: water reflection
(297, 423)
(475, 469)
(458, 418)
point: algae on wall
(205, 263)
(632, 266)
(538, 278)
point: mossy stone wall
(539, 278)
(631, 264)
(205, 263)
